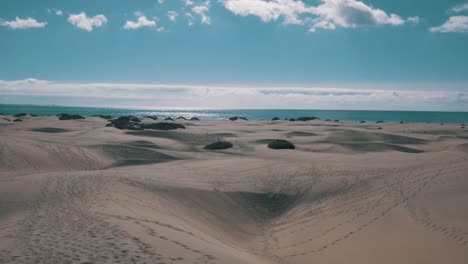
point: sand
(75, 191)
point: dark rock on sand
(168, 119)
(219, 145)
(292, 119)
(181, 117)
(234, 118)
(380, 121)
(17, 120)
(162, 126)
(275, 119)
(307, 118)
(281, 144)
(194, 119)
(362, 122)
(70, 117)
(20, 115)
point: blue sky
(344, 46)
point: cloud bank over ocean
(212, 96)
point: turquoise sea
(254, 114)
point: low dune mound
(351, 136)
(50, 130)
(194, 119)
(125, 155)
(219, 145)
(70, 117)
(162, 126)
(168, 119)
(378, 147)
(125, 122)
(107, 117)
(275, 119)
(463, 147)
(235, 118)
(281, 144)
(17, 120)
(182, 118)
(20, 115)
(307, 118)
(143, 144)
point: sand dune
(76, 191)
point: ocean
(253, 114)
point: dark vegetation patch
(134, 123)
(264, 141)
(307, 118)
(20, 115)
(125, 122)
(69, 117)
(162, 126)
(151, 117)
(275, 119)
(235, 118)
(107, 117)
(301, 134)
(281, 144)
(17, 120)
(50, 130)
(219, 145)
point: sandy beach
(76, 191)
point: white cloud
(58, 12)
(453, 24)
(86, 23)
(190, 19)
(188, 2)
(414, 20)
(459, 8)
(172, 15)
(26, 23)
(329, 14)
(269, 10)
(352, 14)
(238, 97)
(202, 10)
(142, 21)
(161, 1)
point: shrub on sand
(281, 144)
(219, 145)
